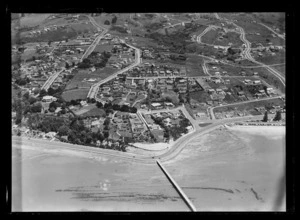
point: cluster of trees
(24, 104)
(77, 133)
(94, 60)
(45, 123)
(59, 103)
(174, 131)
(277, 116)
(109, 107)
(114, 20)
(51, 91)
(22, 81)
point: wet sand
(234, 169)
(60, 182)
(231, 169)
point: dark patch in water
(212, 188)
(256, 195)
(121, 197)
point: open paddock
(75, 94)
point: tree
(52, 109)
(32, 100)
(43, 92)
(106, 22)
(99, 104)
(36, 91)
(114, 20)
(51, 91)
(67, 65)
(277, 116)
(26, 95)
(36, 108)
(63, 130)
(265, 119)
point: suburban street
(94, 88)
(51, 79)
(247, 55)
(99, 28)
(279, 35)
(211, 110)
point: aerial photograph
(148, 112)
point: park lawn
(75, 94)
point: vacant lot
(75, 94)
(200, 96)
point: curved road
(178, 146)
(248, 56)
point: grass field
(200, 96)
(94, 111)
(231, 70)
(99, 74)
(276, 59)
(31, 20)
(75, 94)
(102, 18)
(230, 37)
(54, 35)
(83, 27)
(194, 66)
(210, 37)
(280, 68)
(101, 48)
